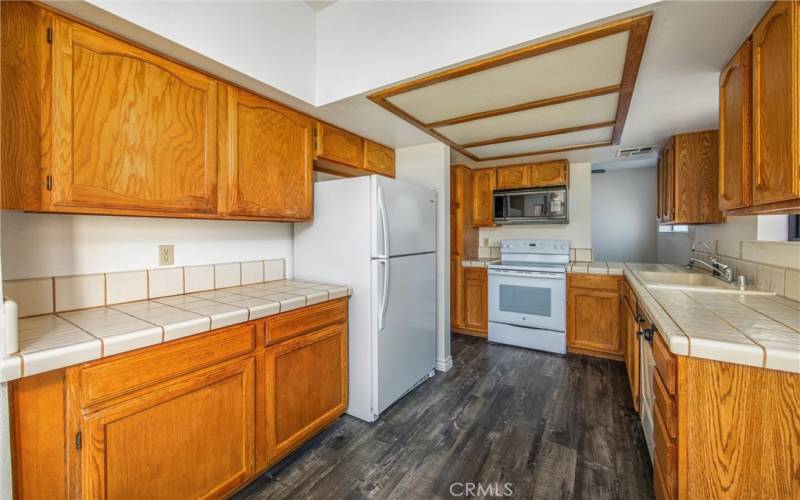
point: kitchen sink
(697, 282)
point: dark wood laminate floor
(552, 426)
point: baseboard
(444, 365)
(473, 333)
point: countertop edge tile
(157, 327)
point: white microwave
(531, 206)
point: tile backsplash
(575, 254)
(68, 293)
(781, 280)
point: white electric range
(528, 295)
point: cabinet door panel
(339, 145)
(515, 176)
(132, 131)
(270, 159)
(593, 320)
(553, 173)
(190, 438)
(306, 387)
(379, 159)
(735, 105)
(475, 299)
(776, 162)
(483, 184)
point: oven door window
(526, 300)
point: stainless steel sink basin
(697, 282)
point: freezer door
(404, 315)
(403, 218)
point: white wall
(38, 245)
(272, 42)
(429, 165)
(624, 215)
(365, 45)
(579, 229)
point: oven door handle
(527, 274)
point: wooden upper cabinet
(483, 185)
(514, 176)
(267, 158)
(132, 132)
(688, 180)
(339, 145)
(695, 177)
(550, 173)
(735, 110)
(668, 183)
(191, 437)
(533, 175)
(378, 158)
(776, 105)
(659, 187)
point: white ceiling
(572, 69)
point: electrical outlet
(166, 255)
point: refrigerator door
(403, 218)
(404, 319)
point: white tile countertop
(479, 262)
(52, 341)
(755, 330)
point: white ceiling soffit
(563, 94)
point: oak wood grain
(476, 311)
(38, 437)
(306, 387)
(267, 156)
(776, 105)
(339, 145)
(297, 322)
(483, 186)
(735, 132)
(512, 176)
(696, 178)
(378, 158)
(144, 139)
(191, 437)
(593, 314)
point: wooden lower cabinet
(306, 387)
(189, 438)
(476, 320)
(192, 418)
(630, 344)
(593, 315)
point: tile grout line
(102, 344)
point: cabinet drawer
(665, 454)
(594, 281)
(666, 363)
(305, 320)
(102, 380)
(665, 404)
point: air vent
(599, 171)
(629, 152)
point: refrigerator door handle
(384, 225)
(384, 295)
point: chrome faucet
(717, 268)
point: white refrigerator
(377, 235)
